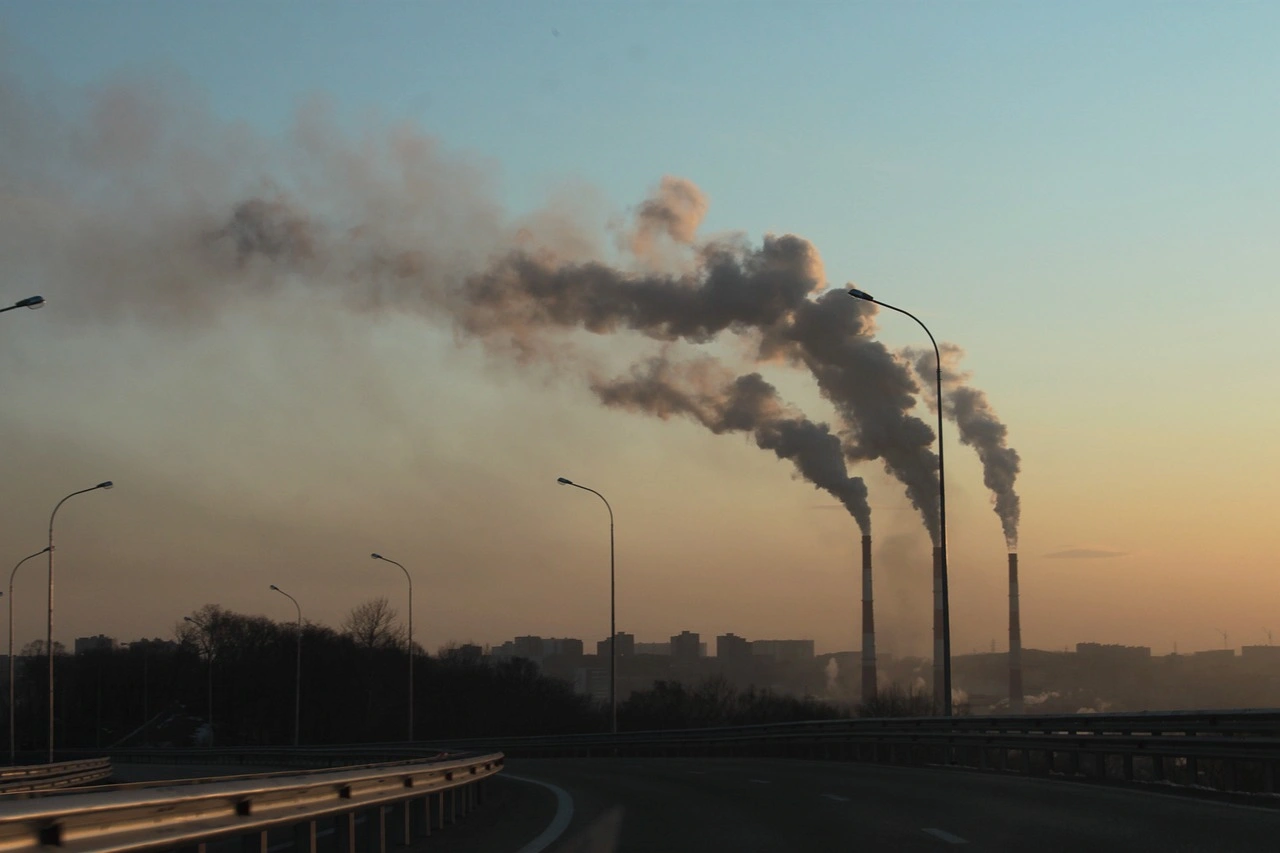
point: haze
(1081, 199)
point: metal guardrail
(1231, 751)
(384, 804)
(62, 774)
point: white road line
(943, 835)
(559, 823)
(761, 781)
(836, 797)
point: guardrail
(1230, 751)
(365, 807)
(61, 774)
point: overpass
(1182, 781)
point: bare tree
(373, 625)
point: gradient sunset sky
(1084, 197)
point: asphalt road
(673, 805)
(756, 805)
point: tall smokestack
(868, 626)
(939, 680)
(1015, 640)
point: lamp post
(208, 658)
(942, 506)
(13, 738)
(31, 302)
(106, 484)
(613, 628)
(410, 579)
(297, 683)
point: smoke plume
(388, 221)
(979, 428)
(707, 393)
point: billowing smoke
(979, 428)
(763, 294)
(704, 391)
(390, 222)
(674, 210)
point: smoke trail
(981, 429)
(704, 391)
(763, 293)
(218, 217)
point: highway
(759, 805)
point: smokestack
(868, 627)
(1015, 640)
(939, 680)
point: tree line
(239, 671)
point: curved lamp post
(410, 579)
(942, 506)
(297, 683)
(106, 484)
(13, 738)
(31, 302)
(613, 629)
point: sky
(1082, 198)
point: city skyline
(1087, 221)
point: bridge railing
(366, 807)
(1236, 751)
(61, 774)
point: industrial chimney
(1015, 640)
(868, 627)
(939, 679)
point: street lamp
(208, 657)
(942, 507)
(12, 707)
(410, 579)
(613, 629)
(106, 484)
(297, 684)
(32, 302)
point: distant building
(783, 651)
(565, 646)
(653, 648)
(100, 643)
(1107, 653)
(732, 648)
(537, 649)
(686, 646)
(626, 645)
(465, 653)
(1260, 654)
(592, 681)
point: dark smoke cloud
(152, 209)
(763, 293)
(706, 392)
(674, 210)
(979, 428)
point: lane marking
(943, 835)
(559, 823)
(836, 797)
(761, 781)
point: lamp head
(861, 294)
(188, 619)
(276, 588)
(564, 481)
(377, 556)
(105, 484)
(31, 302)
